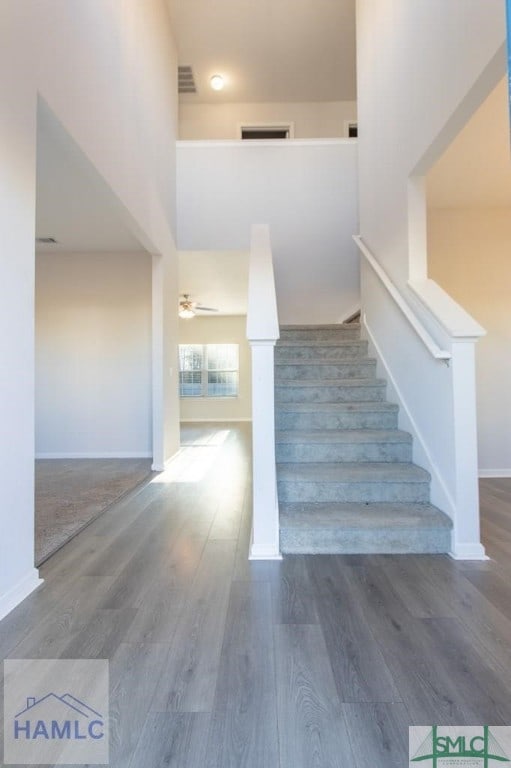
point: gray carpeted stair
(345, 477)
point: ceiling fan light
(186, 313)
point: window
(208, 370)
(351, 129)
(267, 131)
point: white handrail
(422, 333)
(262, 333)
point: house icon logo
(58, 717)
(56, 712)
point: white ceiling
(73, 203)
(268, 50)
(475, 171)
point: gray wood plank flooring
(244, 720)
(312, 662)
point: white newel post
(466, 543)
(265, 523)
(262, 334)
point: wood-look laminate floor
(312, 662)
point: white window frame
(205, 370)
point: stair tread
(321, 343)
(362, 382)
(311, 436)
(361, 405)
(328, 327)
(352, 472)
(350, 515)
(327, 361)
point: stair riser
(327, 420)
(382, 541)
(338, 452)
(320, 365)
(355, 351)
(306, 372)
(293, 490)
(346, 334)
(292, 394)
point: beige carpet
(70, 493)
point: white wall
(93, 355)
(305, 190)
(469, 240)
(312, 120)
(474, 171)
(423, 68)
(469, 255)
(219, 330)
(107, 71)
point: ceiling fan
(189, 308)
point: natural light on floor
(194, 459)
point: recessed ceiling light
(217, 82)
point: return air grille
(186, 80)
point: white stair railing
(262, 334)
(438, 403)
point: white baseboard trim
(215, 421)
(264, 555)
(495, 473)
(19, 592)
(255, 553)
(96, 455)
(469, 552)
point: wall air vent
(185, 80)
(46, 240)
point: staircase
(345, 477)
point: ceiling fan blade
(205, 309)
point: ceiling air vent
(185, 80)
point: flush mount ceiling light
(217, 82)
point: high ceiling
(268, 50)
(73, 204)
